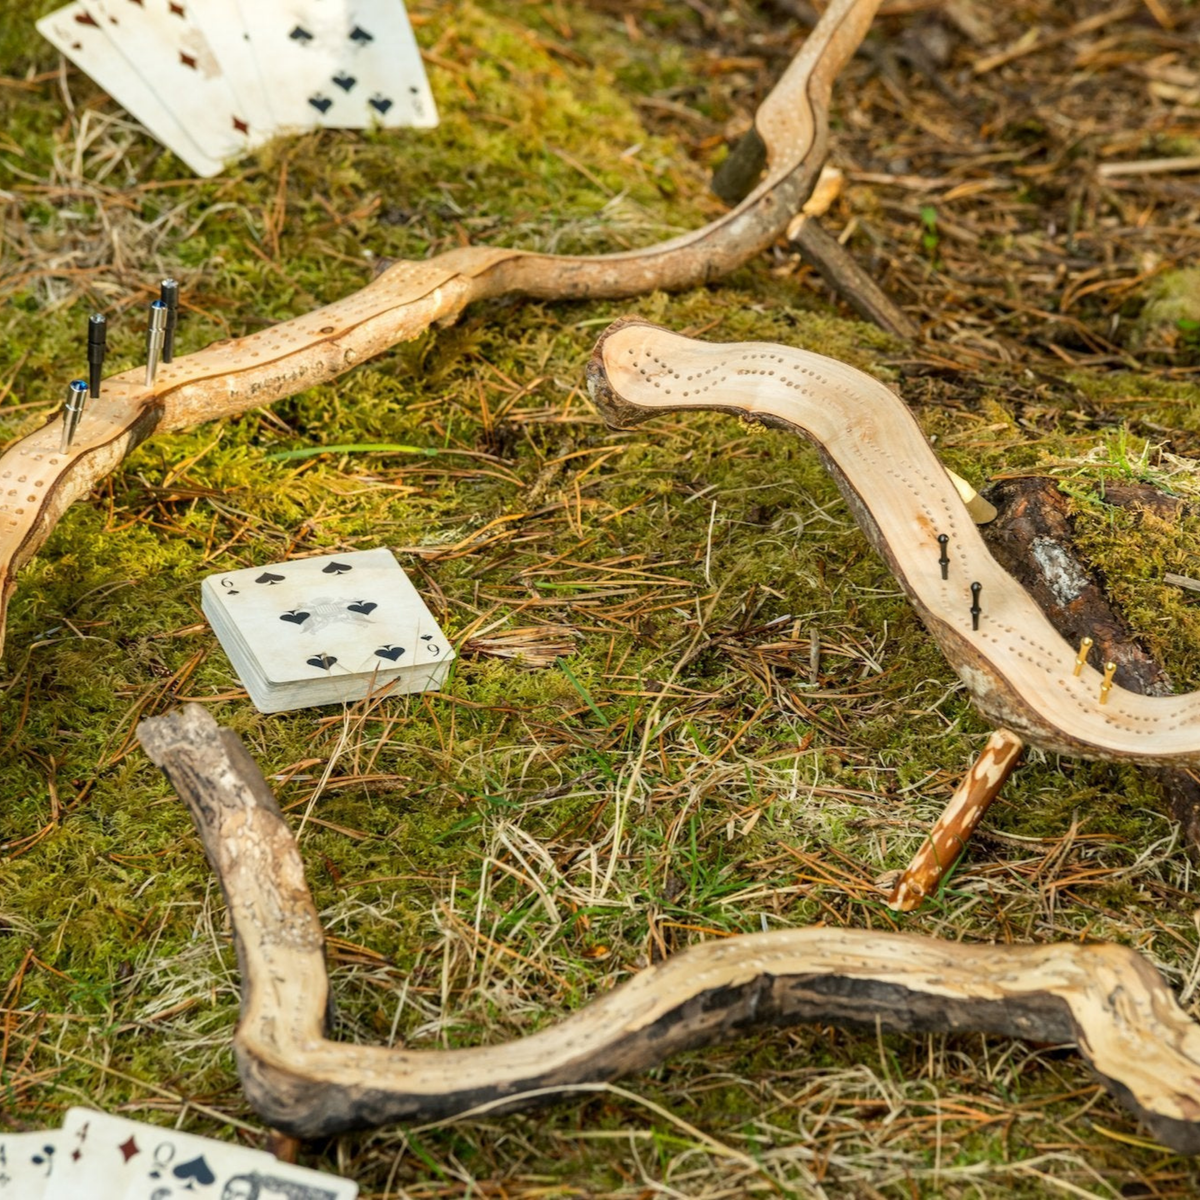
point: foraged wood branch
(1104, 999)
(1017, 667)
(37, 483)
(948, 837)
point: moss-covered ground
(662, 764)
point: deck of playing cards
(212, 79)
(325, 630)
(102, 1157)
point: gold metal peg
(1081, 657)
(1110, 669)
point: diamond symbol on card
(129, 1148)
(391, 653)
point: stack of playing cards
(98, 1157)
(325, 630)
(212, 79)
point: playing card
(337, 615)
(221, 23)
(169, 49)
(78, 35)
(27, 1163)
(111, 1158)
(339, 63)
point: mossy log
(38, 483)
(1104, 999)
(1017, 667)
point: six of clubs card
(211, 79)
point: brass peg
(1110, 669)
(1081, 657)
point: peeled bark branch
(38, 483)
(1104, 999)
(1016, 665)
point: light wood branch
(948, 837)
(37, 483)
(1016, 666)
(1104, 999)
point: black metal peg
(976, 588)
(944, 558)
(169, 295)
(97, 336)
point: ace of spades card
(105, 1157)
(325, 630)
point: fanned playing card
(326, 630)
(27, 1164)
(348, 64)
(212, 79)
(173, 56)
(82, 38)
(106, 1157)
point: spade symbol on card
(427, 638)
(322, 661)
(366, 607)
(390, 652)
(380, 103)
(321, 103)
(300, 36)
(295, 616)
(345, 82)
(267, 577)
(359, 35)
(194, 1171)
(336, 568)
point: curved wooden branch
(1105, 999)
(37, 483)
(1017, 667)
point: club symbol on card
(336, 568)
(295, 616)
(129, 1148)
(345, 82)
(359, 35)
(390, 652)
(366, 607)
(267, 577)
(195, 1171)
(321, 661)
(321, 103)
(300, 35)
(380, 103)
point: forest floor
(662, 762)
